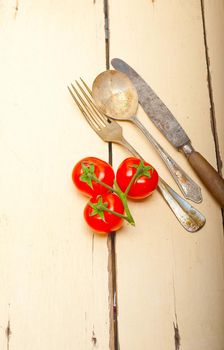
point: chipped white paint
(54, 278)
(167, 277)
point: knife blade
(165, 121)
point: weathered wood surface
(56, 276)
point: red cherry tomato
(102, 170)
(104, 222)
(144, 185)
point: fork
(111, 131)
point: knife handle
(208, 175)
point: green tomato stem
(140, 170)
(94, 177)
(120, 193)
(125, 217)
(123, 197)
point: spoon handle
(187, 186)
(189, 217)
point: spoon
(116, 96)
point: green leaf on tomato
(98, 208)
(87, 171)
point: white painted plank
(167, 276)
(53, 273)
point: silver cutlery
(110, 131)
(116, 96)
(165, 121)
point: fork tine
(99, 114)
(84, 109)
(86, 86)
(89, 106)
(76, 101)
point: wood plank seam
(211, 99)
(111, 242)
(210, 91)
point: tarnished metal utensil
(116, 96)
(111, 131)
(161, 116)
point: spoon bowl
(115, 95)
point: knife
(165, 121)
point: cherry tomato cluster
(108, 206)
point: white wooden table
(58, 280)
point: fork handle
(189, 217)
(127, 145)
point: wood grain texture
(53, 271)
(170, 283)
(57, 278)
(214, 32)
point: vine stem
(138, 173)
(114, 212)
(122, 195)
